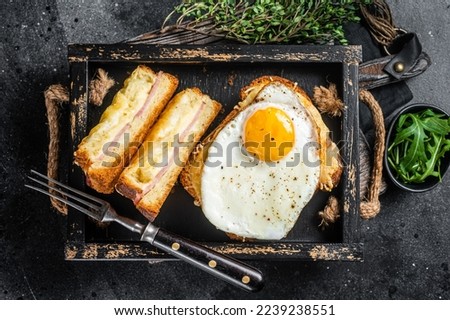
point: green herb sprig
(421, 141)
(270, 21)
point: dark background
(407, 247)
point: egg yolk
(269, 134)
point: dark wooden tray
(220, 71)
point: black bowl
(429, 182)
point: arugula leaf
(422, 140)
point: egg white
(256, 199)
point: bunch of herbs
(270, 21)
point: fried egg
(263, 167)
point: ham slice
(148, 184)
(106, 151)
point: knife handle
(223, 267)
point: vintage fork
(226, 268)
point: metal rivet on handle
(245, 279)
(399, 67)
(175, 246)
(212, 264)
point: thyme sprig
(270, 21)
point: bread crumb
(231, 79)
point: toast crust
(101, 166)
(330, 173)
(147, 181)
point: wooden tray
(220, 71)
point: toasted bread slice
(331, 168)
(123, 125)
(155, 168)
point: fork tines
(81, 201)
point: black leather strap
(407, 49)
(372, 73)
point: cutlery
(224, 267)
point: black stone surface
(407, 245)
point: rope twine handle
(379, 19)
(371, 206)
(327, 101)
(55, 96)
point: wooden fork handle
(223, 267)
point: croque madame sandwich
(110, 145)
(156, 166)
(258, 169)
